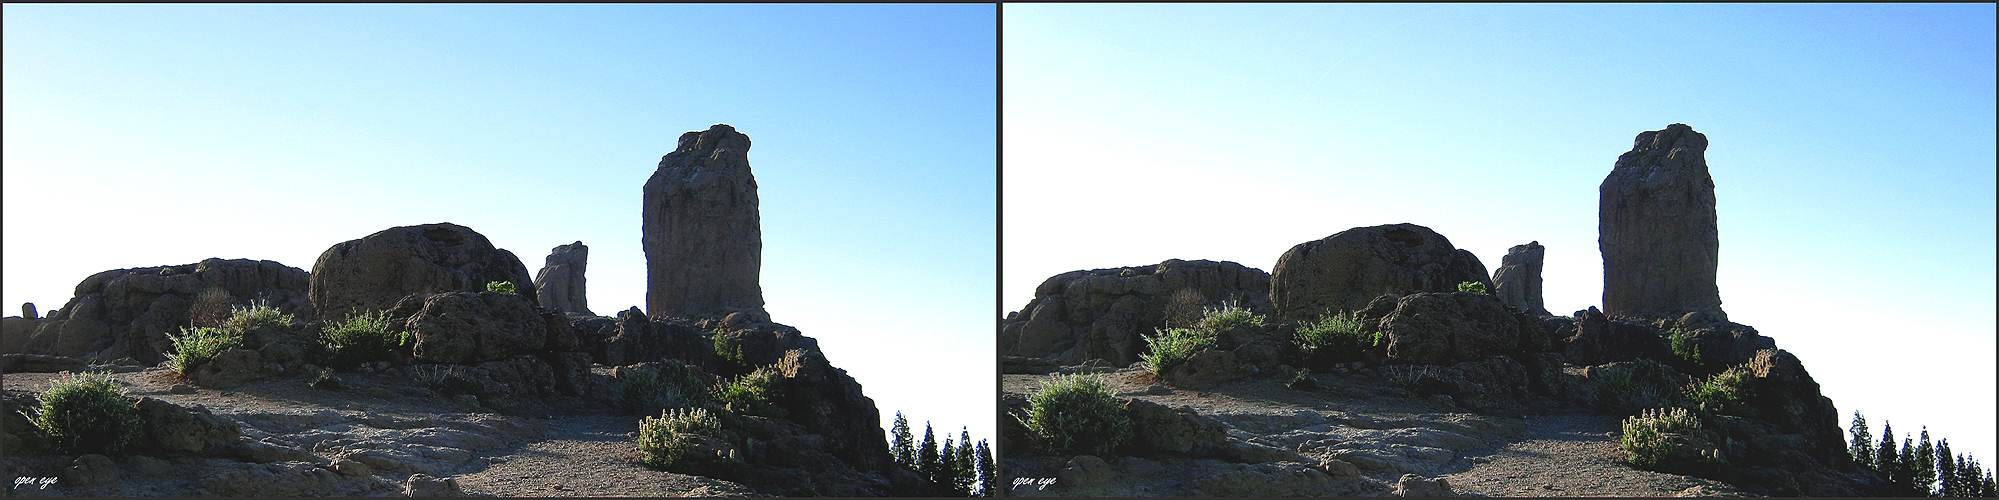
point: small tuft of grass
(362, 338)
(1336, 333)
(1408, 377)
(1076, 413)
(1230, 315)
(1472, 287)
(1172, 347)
(87, 413)
(198, 346)
(258, 314)
(501, 286)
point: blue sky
(141, 135)
(1852, 149)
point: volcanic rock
(469, 328)
(128, 312)
(1656, 228)
(1594, 338)
(1345, 271)
(28, 311)
(1787, 396)
(1104, 314)
(1518, 279)
(559, 285)
(1443, 328)
(702, 236)
(372, 273)
(171, 428)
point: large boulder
(470, 328)
(1594, 338)
(1518, 279)
(1345, 271)
(372, 273)
(174, 429)
(129, 312)
(702, 236)
(1162, 429)
(559, 285)
(1786, 395)
(1443, 328)
(1656, 228)
(1106, 313)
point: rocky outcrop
(471, 328)
(1518, 279)
(1105, 313)
(171, 428)
(1594, 339)
(1787, 396)
(559, 285)
(1345, 271)
(128, 312)
(1443, 328)
(702, 236)
(372, 273)
(28, 311)
(1656, 228)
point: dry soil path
(1567, 455)
(585, 456)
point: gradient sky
(147, 135)
(1852, 150)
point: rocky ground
(365, 439)
(1355, 434)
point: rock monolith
(559, 285)
(1345, 271)
(1656, 228)
(703, 242)
(1517, 282)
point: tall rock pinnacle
(1518, 280)
(1656, 228)
(560, 284)
(703, 242)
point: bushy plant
(729, 352)
(1339, 333)
(671, 385)
(1645, 435)
(1173, 346)
(362, 338)
(1726, 392)
(1684, 347)
(1076, 413)
(258, 314)
(87, 413)
(210, 308)
(1472, 287)
(1647, 384)
(501, 286)
(660, 443)
(195, 347)
(1229, 315)
(752, 394)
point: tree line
(962, 466)
(1918, 467)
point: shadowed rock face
(559, 285)
(372, 273)
(702, 236)
(1656, 228)
(128, 312)
(1345, 271)
(1104, 314)
(1518, 279)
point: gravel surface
(586, 456)
(1571, 454)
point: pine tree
(1967, 476)
(967, 472)
(947, 462)
(1905, 467)
(1863, 442)
(986, 472)
(1924, 475)
(1946, 470)
(926, 457)
(904, 446)
(1884, 455)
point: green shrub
(195, 347)
(258, 314)
(501, 286)
(672, 385)
(362, 338)
(729, 352)
(1684, 347)
(1644, 435)
(1726, 392)
(1076, 413)
(1472, 287)
(660, 443)
(1172, 347)
(87, 413)
(1647, 385)
(1229, 315)
(752, 394)
(1337, 333)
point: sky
(148, 135)
(1851, 147)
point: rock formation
(372, 273)
(559, 285)
(1518, 279)
(1443, 328)
(703, 242)
(28, 311)
(128, 312)
(1345, 271)
(1656, 228)
(1105, 313)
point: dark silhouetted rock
(128, 312)
(1105, 314)
(1595, 339)
(1518, 279)
(559, 285)
(1345, 271)
(1158, 428)
(1656, 228)
(469, 328)
(372, 273)
(702, 236)
(172, 428)
(1786, 395)
(1443, 328)
(28, 311)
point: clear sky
(146, 135)
(1852, 150)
